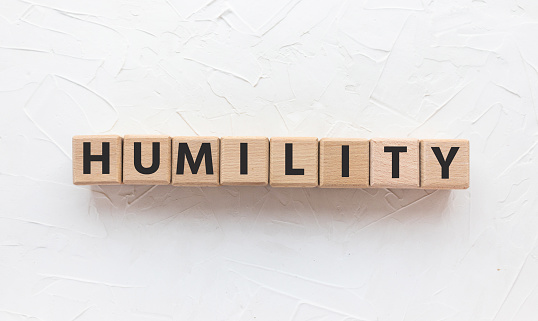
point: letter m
(184, 152)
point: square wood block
(97, 159)
(244, 160)
(195, 161)
(146, 159)
(444, 163)
(394, 163)
(344, 162)
(294, 162)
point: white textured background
(368, 68)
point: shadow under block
(394, 163)
(344, 162)
(444, 163)
(294, 162)
(97, 159)
(146, 159)
(195, 161)
(244, 160)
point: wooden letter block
(344, 162)
(244, 160)
(97, 160)
(444, 163)
(195, 161)
(294, 162)
(146, 159)
(394, 163)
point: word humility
(280, 161)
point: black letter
(445, 163)
(138, 158)
(289, 162)
(345, 160)
(243, 162)
(395, 150)
(184, 152)
(87, 158)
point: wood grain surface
(96, 176)
(331, 154)
(130, 173)
(256, 161)
(456, 175)
(305, 157)
(381, 163)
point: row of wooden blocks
(280, 161)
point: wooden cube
(394, 163)
(146, 159)
(97, 159)
(294, 162)
(444, 163)
(244, 160)
(195, 161)
(344, 162)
